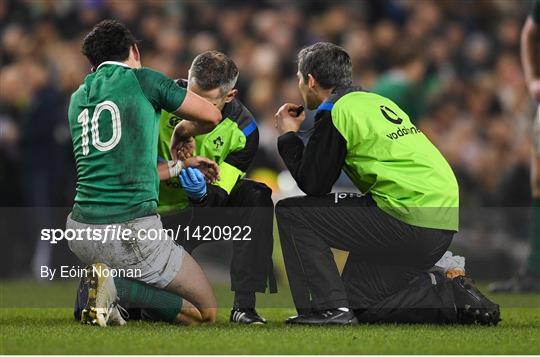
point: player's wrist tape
(174, 169)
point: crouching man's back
(390, 158)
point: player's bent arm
(163, 93)
(187, 129)
(171, 169)
(182, 143)
(530, 38)
(164, 172)
(202, 114)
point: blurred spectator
(405, 82)
(452, 65)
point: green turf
(51, 330)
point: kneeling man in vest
(395, 230)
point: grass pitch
(52, 330)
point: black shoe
(523, 283)
(325, 317)
(246, 317)
(472, 306)
(300, 317)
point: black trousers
(385, 254)
(249, 204)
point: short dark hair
(213, 69)
(109, 40)
(329, 64)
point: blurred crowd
(453, 65)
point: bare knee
(208, 315)
(190, 315)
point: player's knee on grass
(189, 315)
(191, 283)
(209, 315)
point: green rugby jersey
(113, 118)
(374, 142)
(232, 145)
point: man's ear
(230, 96)
(311, 82)
(136, 53)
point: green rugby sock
(533, 261)
(157, 303)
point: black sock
(244, 300)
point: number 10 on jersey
(84, 118)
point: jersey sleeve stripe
(326, 106)
(250, 128)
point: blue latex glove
(193, 183)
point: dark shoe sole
(486, 313)
(92, 314)
(89, 312)
(487, 317)
(248, 323)
(351, 322)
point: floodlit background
(453, 65)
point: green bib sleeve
(229, 175)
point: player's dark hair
(109, 40)
(213, 69)
(329, 64)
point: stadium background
(452, 64)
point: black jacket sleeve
(317, 166)
(241, 159)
